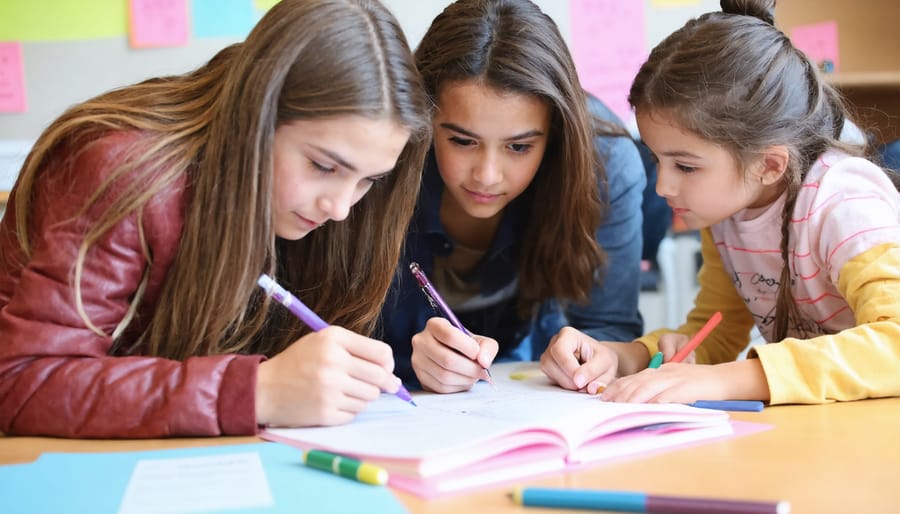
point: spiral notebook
(523, 427)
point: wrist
(262, 396)
(744, 380)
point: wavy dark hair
(512, 46)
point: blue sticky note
(223, 18)
(65, 483)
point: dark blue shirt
(612, 311)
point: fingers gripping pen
(438, 303)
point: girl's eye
(323, 168)
(461, 141)
(520, 147)
(686, 169)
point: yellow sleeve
(856, 363)
(717, 293)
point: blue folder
(95, 483)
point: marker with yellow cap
(346, 467)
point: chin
(484, 211)
(292, 235)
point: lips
(309, 224)
(481, 197)
(678, 210)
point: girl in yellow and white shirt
(800, 237)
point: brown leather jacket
(57, 377)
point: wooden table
(836, 458)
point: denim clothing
(612, 312)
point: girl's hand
(671, 342)
(324, 378)
(671, 383)
(446, 360)
(578, 362)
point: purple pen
(306, 315)
(438, 303)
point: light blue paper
(95, 483)
(223, 18)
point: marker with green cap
(346, 467)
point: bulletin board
(55, 53)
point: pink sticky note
(818, 40)
(12, 77)
(158, 23)
(609, 46)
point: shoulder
(837, 177)
(78, 169)
(76, 172)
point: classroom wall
(60, 71)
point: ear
(774, 164)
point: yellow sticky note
(264, 5)
(57, 20)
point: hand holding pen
(678, 384)
(690, 346)
(442, 358)
(326, 377)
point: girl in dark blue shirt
(529, 216)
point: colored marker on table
(731, 405)
(346, 467)
(306, 315)
(439, 305)
(626, 501)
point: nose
(486, 170)
(336, 203)
(666, 183)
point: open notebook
(520, 428)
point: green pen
(656, 361)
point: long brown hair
(510, 45)
(734, 79)
(215, 126)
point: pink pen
(306, 315)
(698, 338)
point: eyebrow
(524, 135)
(680, 153)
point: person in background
(801, 233)
(143, 218)
(529, 216)
(890, 155)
